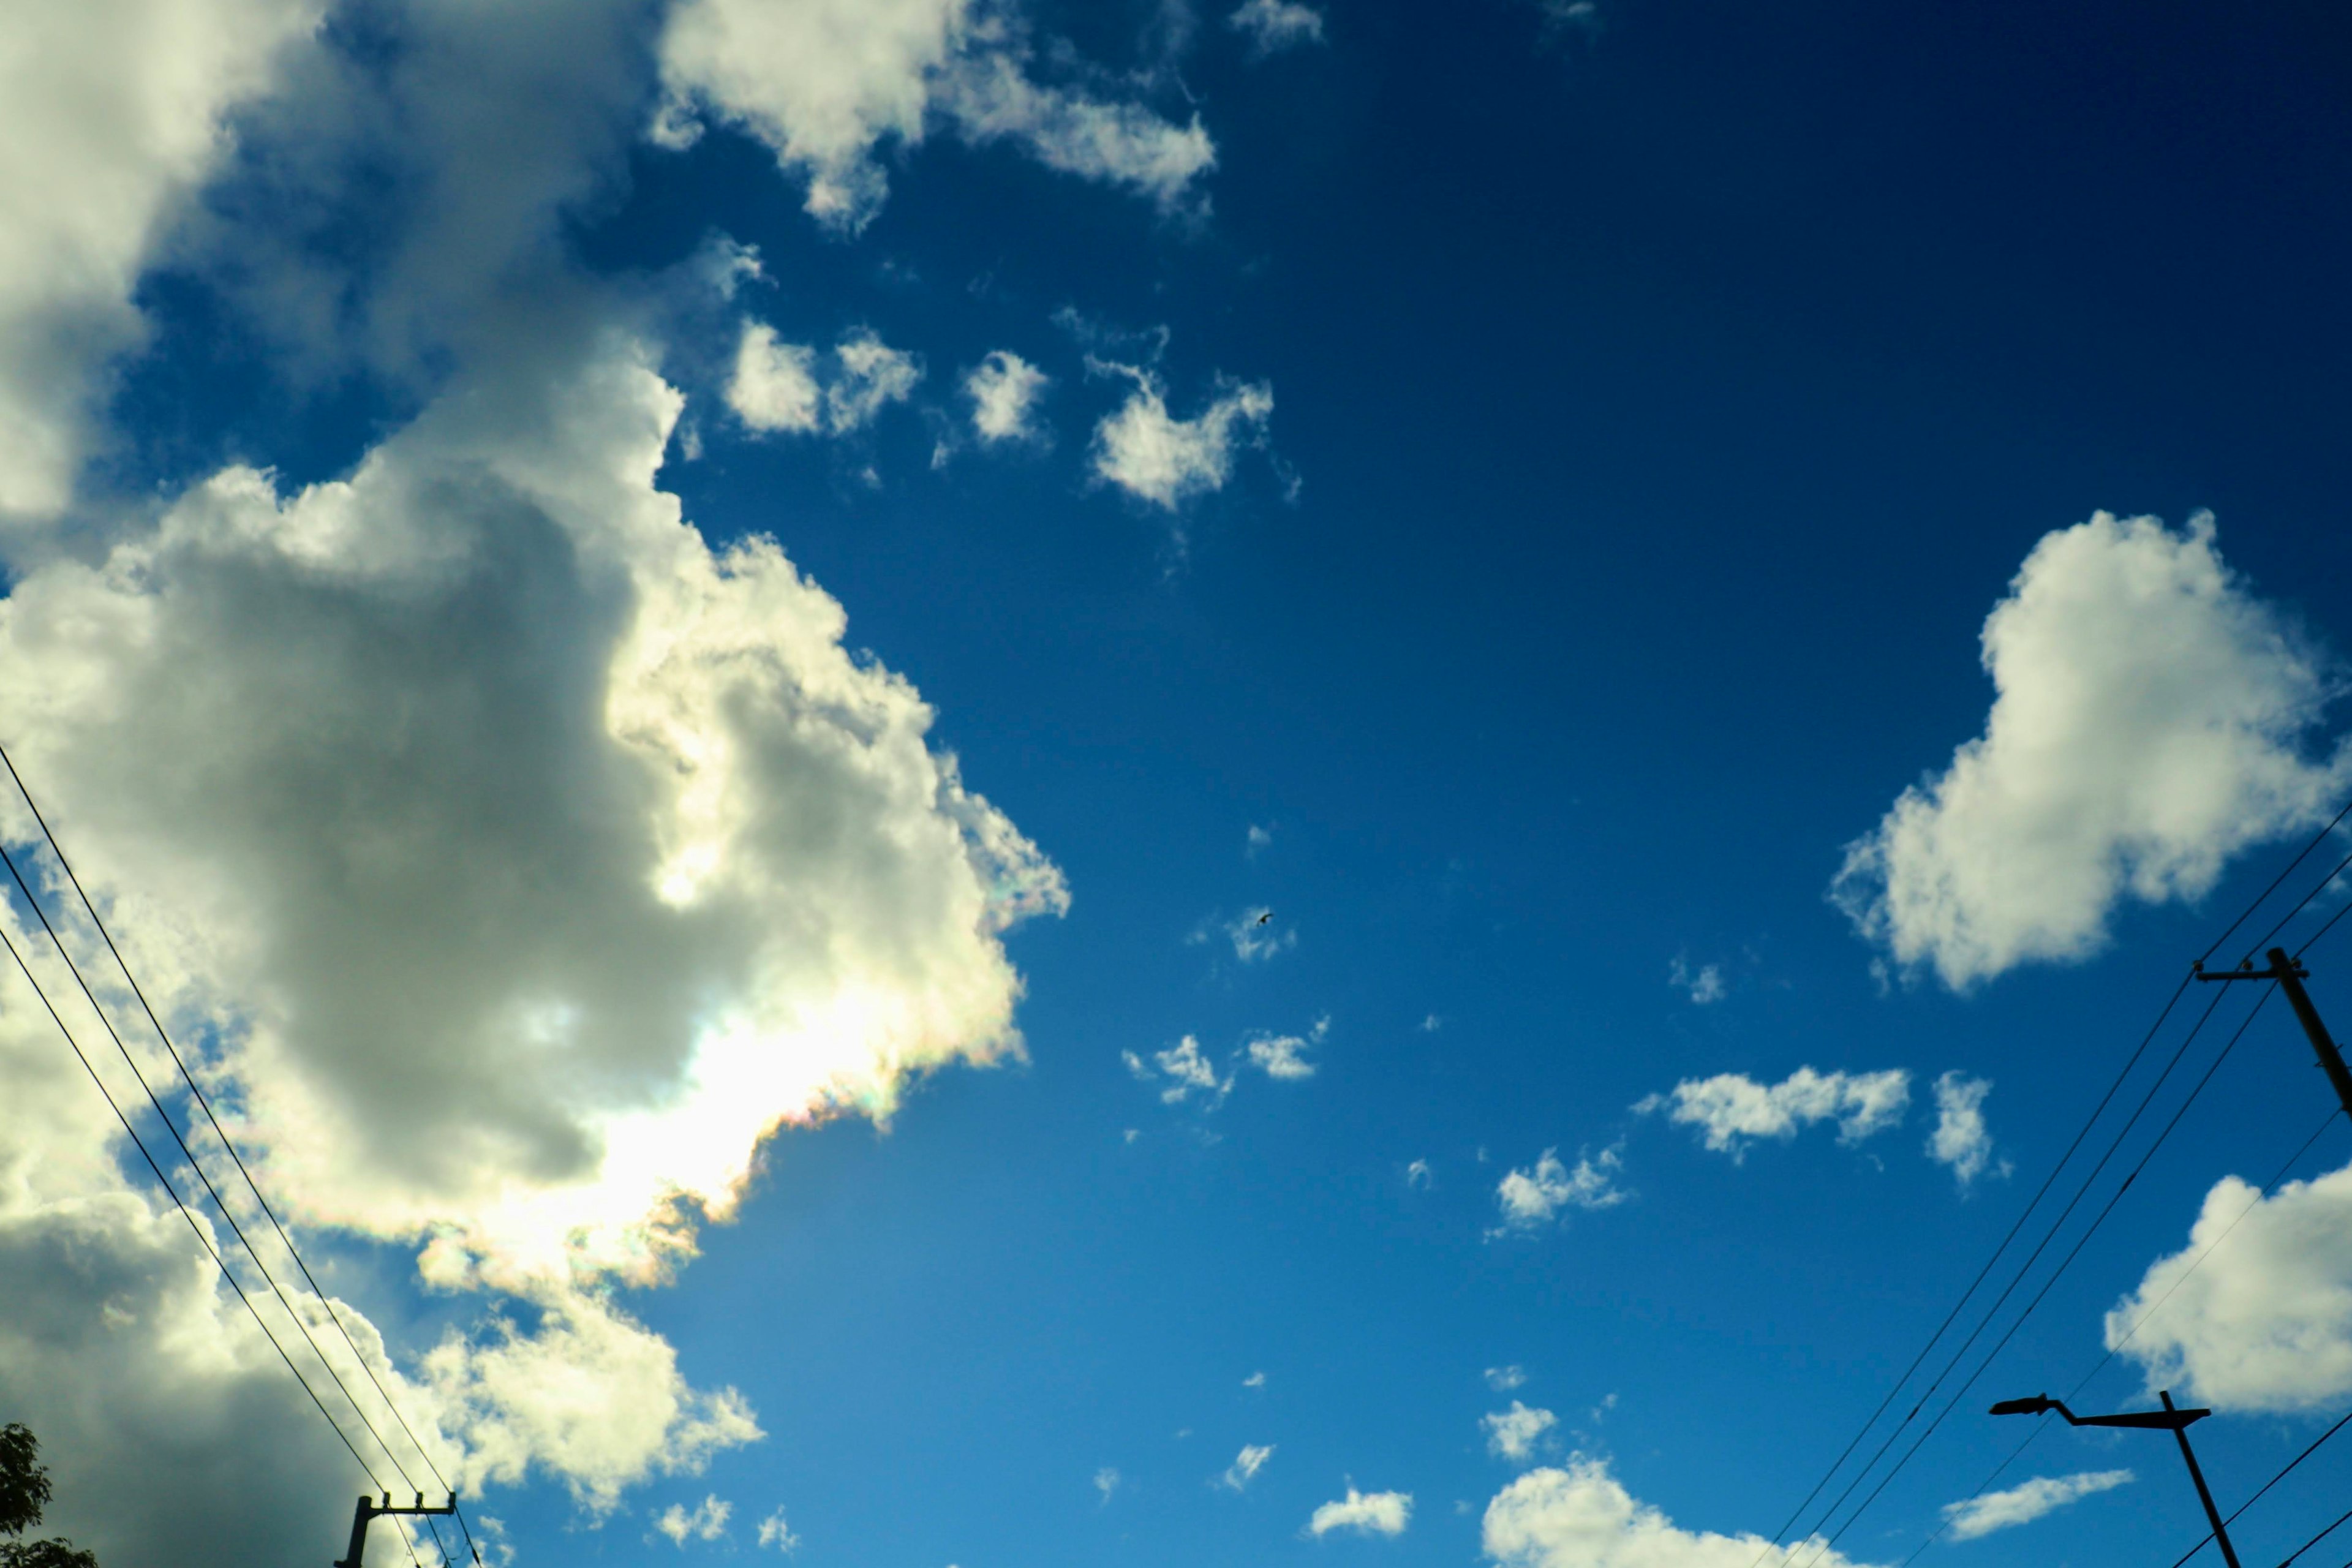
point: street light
(2171, 1419)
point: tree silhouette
(24, 1491)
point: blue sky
(1733, 587)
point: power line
(2284, 1471)
(165, 1182)
(221, 1133)
(2113, 1350)
(2071, 1254)
(2047, 1182)
(2285, 872)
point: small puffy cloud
(1186, 1072)
(1961, 1138)
(775, 386)
(1107, 1481)
(1366, 1513)
(1503, 1379)
(2023, 1504)
(873, 376)
(1255, 1380)
(1431, 1022)
(2262, 1324)
(1259, 837)
(1004, 390)
(2148, 723)
(825, 83)
(1581, 1516)
(1705, 984)
(1730, 1109)
(1513, 1434)
(1167, 461)
(706, 1521)
(1280, 1056)
(1528, 1198)
(1419, 1174)
(1273, 26)
(1245, 1466)
(776, 1535)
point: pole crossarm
(369, 1511)
(2290, 976)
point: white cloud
(485, 874)
(2023, 1504)
(706, 1521)
(1513, 1434)
(823, 84)
(2264, 1323)
(1257, 938)
(1366, 1513)
(1961, 1138)
(1259, 837)
(1279, 1055)
(775, 386)
(1255, 1380)
(1157, 457)
(774, 1533)
(1106, 1482)
(112, 113)
(1273, 26)
(2147, 727)
(1581, 1516)
(1503, 1379)
(1004, 389)
(1419, 1174)
(774, 383)
(873, 376)
(1705, 984)
(1245, 1466)
(1530, 1198)
(1731, 1108)
(1431, 1022)
(1188, 1070)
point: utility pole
(2171, 1419)
(2289, 976)
(369, 1511)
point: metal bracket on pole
(2289, 976)
(369, 1511)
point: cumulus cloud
(1106, 1482)
(1366, 1513)
(1704, 984)
(2264, 1323)
(526, 865)
(1167, 461)
(1245, 1466)
(1513, 1434)
(1282, 1056)
(1503, 1379)
(1581, 1516)
(1961, 1138)
(775, 386)
(1730, 1109)
(1273, 26)
(826, 84)
(1186, 1071)
(1419, 1174)
(112, 113)
(1530, 1199)
(777, 1535)
(1004, 389)
(2148, 723)
(2023, 1504)
(706, 1521)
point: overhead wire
(2285, 872)
(205, 1103)
(2075, 1251)
(2113, 1350)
